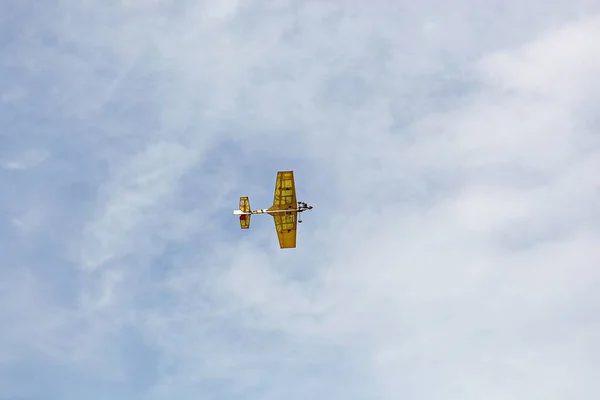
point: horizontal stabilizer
(243, 212)
(245, 221)
(245, 204)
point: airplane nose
(310, 207)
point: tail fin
(245, 221)
(245, 208)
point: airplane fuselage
(267, 211)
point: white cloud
(28, 159)
(450, 152)
(139, 188)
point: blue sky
(450, 150)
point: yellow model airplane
(285, 210)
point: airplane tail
(244, 213)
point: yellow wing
(285, 199)
(285, 191)
(285, 225)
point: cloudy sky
(450, 149)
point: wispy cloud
(450, 150)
